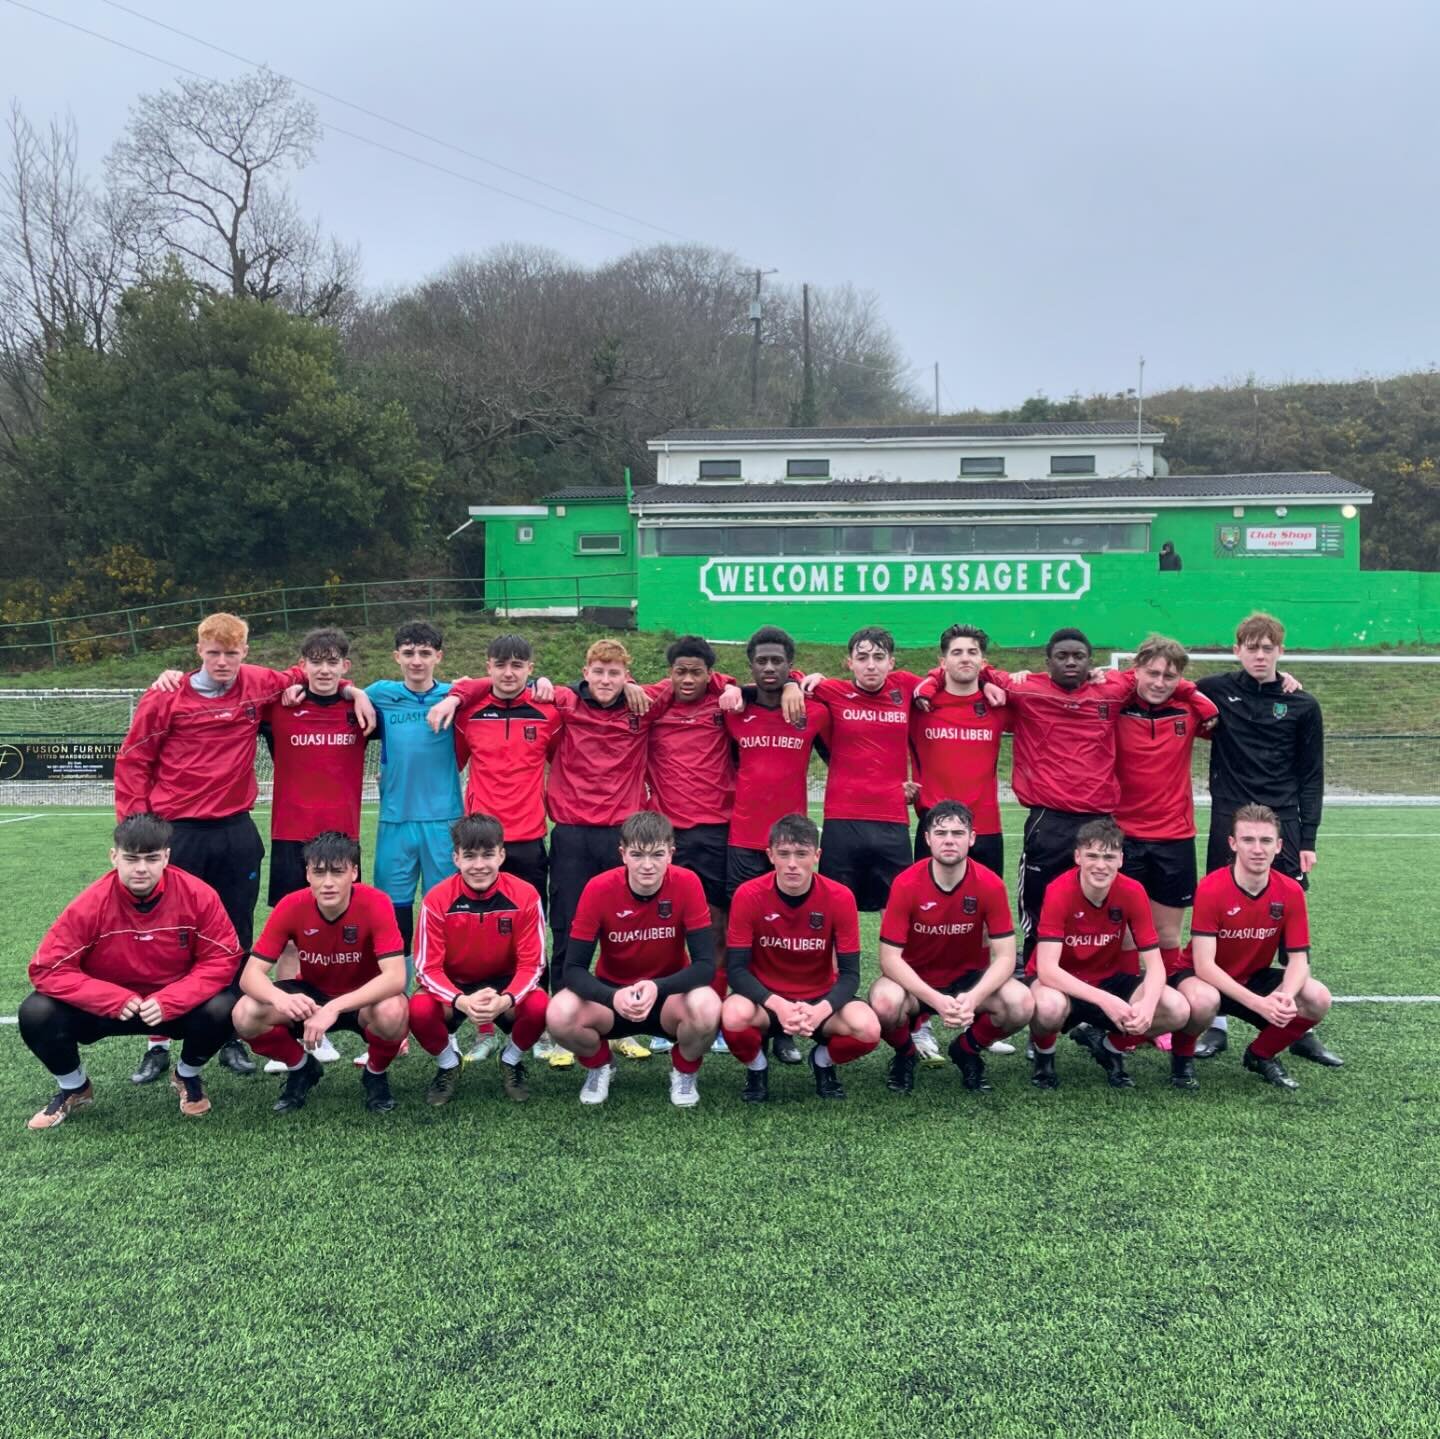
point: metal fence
(79, 639)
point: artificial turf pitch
(1089, 1262)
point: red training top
(336, 955)
(956, 749)
(942, 933)
(1153, 744)
(793, 941)
(773, 777)
(1092, 936)
(467, 937)
(641, 936)
(177, 946)
(1249, 928)
(869, 748)
(690, 771)
(189, 757)
(319, 753)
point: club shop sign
(995, 577)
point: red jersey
(505, 743)
(793, 942)
(336, 955)
(1153, 744)
(187, 756)
(1249, 928)
(690, 771)
(956, 750)
(943, 933)
(495, 938)
(1092, 936)
(597, 769)
(641, 936)
(773, 771)
(176, 946)
(319, 753)
(869, 748)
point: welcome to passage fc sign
(996, 577)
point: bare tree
(204, 164)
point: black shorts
(1180, 976)
(1165, 869)
(1218, 853)
(702, 848)
(226, 854)
(526, 859)
(623, 1028)
(287, 869)
(865, 855)
(455, 1019)
(578, 852)
(1122, 986)
(742, 865)
(1048, 851)
(986, 849)
(1262, 982)
(967, 981)
(349, 1020)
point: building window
(719, 469)
(599, 544)
(698, 541)
(807, 469)
(524, 534)
(809, 539)
(1072, 464)
(753, 540)
(982, 465)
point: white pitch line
(21, 818)
(1386, 998)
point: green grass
(1240, 1261)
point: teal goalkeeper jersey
(419, 778)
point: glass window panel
(753, 540)
(1005, 539)
(942, 539)
(719, 469)
(982, 465)
(810, 540)
(691, 541)
(1072, 464)
(807, 469)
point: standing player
(189, 757)
(480, 956)
(352, 976)
(1077, 963)
(145, 949)
(1270, 750)
(947, 947)
(1245, 916)
(793, 960)
(867, 836)
(772, 747)
(651, 925)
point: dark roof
(581, 492)
(1059, 429)
(1167, 487)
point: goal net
(58, 747)
(1382, 723)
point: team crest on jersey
(532, 733)
(350, 934)
(1180, 727)
(1277, 909)
(1116, 914)
(182, 937)
(980, 709)
(1279, 710)
(817, 919)
(505, 924)
(718, 720)
(248, 710)
(1103, 710)
(894, 696)
(351, 720)
(665, 908)
(634, 723)
(970, 904)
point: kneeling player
(651, 922)
(1081, 976)
(793, 961)
(1243, 915)
(352, 976)
(933, 955)
(147, 949)
(479, 956)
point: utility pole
(807, 384)
(937, 389)
(756, 311)
(1140, 419)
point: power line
(398, 124)
(339, 130)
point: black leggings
(54, 1030)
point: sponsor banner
(63, 757)
(905, 577)
(1280, 539)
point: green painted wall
(551, 571)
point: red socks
(529, 1019)
(427, 1022)
(380, 1051)
(685, 1066)
(899, 1039)
(1182, 1045)
(845, 1048)
(278, 1043)
(984, 1032)
(1125, 1043)
(1275, 1037)
(744, 1044)
(599, 1059)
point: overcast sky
(1038, 193)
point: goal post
(1382, 722)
